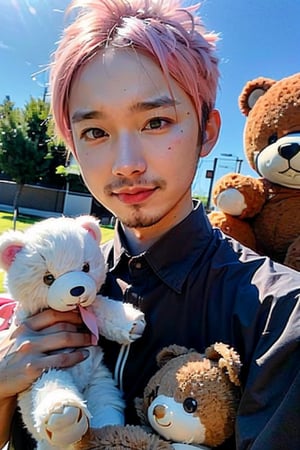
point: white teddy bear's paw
(133, 324)
(118, 321)
(61, 417)
(137, 329)
(231, 201)
(65, 425)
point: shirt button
(138, 265)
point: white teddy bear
(57, 263)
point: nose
(289, 150)
(76, 291)
(129, 156)
(159, 411)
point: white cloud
(4, 46)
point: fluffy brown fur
(270, 220)
(122, 438)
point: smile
(136, 196)
(161, 424)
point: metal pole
(211, 184)
(239, 165)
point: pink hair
(171, 35)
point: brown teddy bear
(264, 213)
(189, 403)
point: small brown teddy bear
(189, 403)
(264, 213)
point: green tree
(24, 140)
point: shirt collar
(173, 256)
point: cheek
(183, 146)
(90, 159)
(92, 169)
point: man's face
(137, 146)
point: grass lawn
(6, 223)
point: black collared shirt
(196, 287)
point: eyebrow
(159, 102)
(81, 115)
(148, 105)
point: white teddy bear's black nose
(77, 291)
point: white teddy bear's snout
(71, 290)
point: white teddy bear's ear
(11, 243)
(91, 224)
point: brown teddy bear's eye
(48, 279)
(86, 267)
(272, 139)
(190, 405)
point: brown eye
(86, 267)
(48, 279)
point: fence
(45, 202)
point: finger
(38, 343)
(50, 317)
(18, 373)
(63, 340)
(59, 327)
(55, 361)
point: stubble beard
(137, 219)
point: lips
(135, 195)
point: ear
(211, 132)
(168, 353)
(10, 246)
(252, 91)
(91, 224)
(228, 360)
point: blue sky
(257, 38)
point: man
(133, 93)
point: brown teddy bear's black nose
(289, 150)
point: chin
(139, 220)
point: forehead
(117, 77)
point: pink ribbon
(90, 321)
(7, 307)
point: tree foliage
(28, 153)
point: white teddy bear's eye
(86, 267)
(48, 279)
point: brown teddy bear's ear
(252, 91)
(168, 353)
(228, 359)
